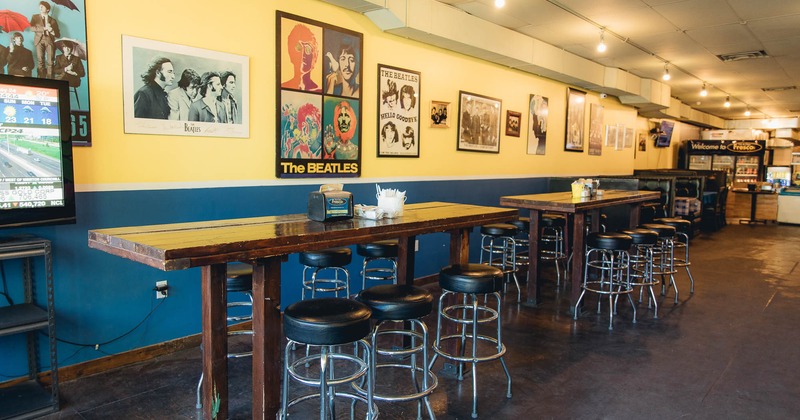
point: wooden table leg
(406, 259)
(215, 341)
(534, 278)
(578, 245)
(267, 337)
(636, 209)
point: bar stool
(391, 306)
(683, 230)
(328, 323)
(498, 249)
(522, 243)
(470, 281)
(384, 253)
(644, 240)
(552, 239)
(663, 255)
(606, 271)
(239, 280)
(326, 260)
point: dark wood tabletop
(564, 202)
(264, 242)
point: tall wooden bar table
(264, 242)
(563, 202)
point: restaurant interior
(569, 148)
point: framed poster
(439, 111)
(620, 137)
(576, 111)
(611, 135)
(398, 112)
(596, 130)
(67, 59)
(628, 142)
(642, 141)
(184, 91)
(318, 69)
(478, 123)
(513, 122)
(537, 124)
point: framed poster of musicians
(318, 99)
(576, 111)
(398, 112)
(47, 39)
(478, 123)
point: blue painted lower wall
(99, 297)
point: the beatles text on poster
(319, 99)
(478, 123)
(398, 116)
(47, 39)
(179, 90)
(537, 124)
(596, 130)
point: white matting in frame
(139, 54)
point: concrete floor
(728, 351)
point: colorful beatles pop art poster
(319, 99)
(47, 39)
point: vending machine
(743, 160)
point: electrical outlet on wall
(161, 289)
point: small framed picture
(478, 123)
(513, 119)
(439, 111)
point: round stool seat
(554, 220)
(523, 224)
(642, 236)
(239, 277)
(664, 231)
(326, 321)
(609, 240)
(333, 257)
(397, 302)
(471, 278)
(680, 225)
(499, 229)
(378, 249)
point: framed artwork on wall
(537, 124)
(439, 111)
(478, 123)
(319, 74)
(398, 112)
(513, 123)
(596, 130)
(173, 89)
(576, 111)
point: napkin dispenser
(324, 206)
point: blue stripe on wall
(100, 297)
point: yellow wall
(247, 27)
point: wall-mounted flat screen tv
(665, 134)
(37, 186)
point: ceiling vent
(746, 55)
(779, 89)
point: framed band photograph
(398, 112)
(478, 123)
(576, 110)
(439, 111)
(537, 124)
(513, 122)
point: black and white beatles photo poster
(398, 112)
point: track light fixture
(499, 3)
(601, 47)
(727, 101)
(747, 111)
(666, 75)
(704, 92)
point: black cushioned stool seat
(333, 257)
(331, 263)
(239, 277)
(681, 225)
(523, 224)
(328, 323)
(664, 231)
(394, 305)
(609, 240)
(641, 236)
(499, 229)
(554, 220)
(467, 285)
(380, 261)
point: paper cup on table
(577, 190)
(391, 206)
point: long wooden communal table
(264, 242)
(563, 202)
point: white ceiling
(688, 34)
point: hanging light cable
(601, 47)
(704, 92)
(666, 75)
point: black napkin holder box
(330, 205)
